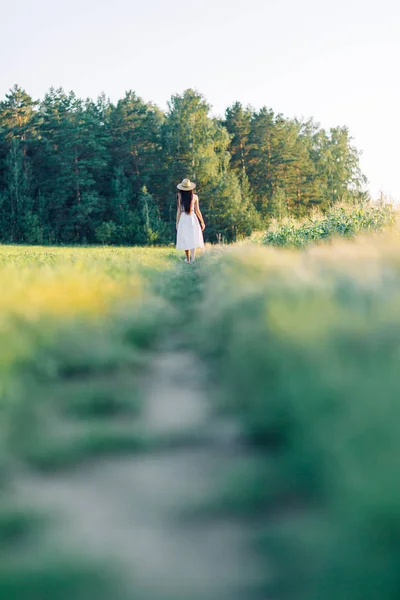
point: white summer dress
(189, 233)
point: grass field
(75, 328)
(72, 318)
(300, 348)
(306, 350)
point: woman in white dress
(189, 221)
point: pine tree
(238, 123)
(345, 178)
(17, 115)
(231, 216)
(73, 155)
(146, 225)
(18, 222)
(135, 130)
(194, 146)
(74, 171)
(18, 132)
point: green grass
(50, 580)
(74, 330)
(302, 350)
(305, 349)
(76, 327)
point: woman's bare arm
(198, 213)
(178, 209)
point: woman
(189, 221)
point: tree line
(76, 171)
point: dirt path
(133, 511)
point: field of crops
(298, 351)
(341, 220)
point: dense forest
(76, 171)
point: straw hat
(186, 185)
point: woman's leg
(187, 252)
(192, 254)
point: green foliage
(238, 123)
(195, 144)
(74, 171)
(71, 354)
(305, 349)
(234, 215)
(292, 162)
(106, 233)
(338, 221)
(302, 353)
(147, 228)
(52, 580)
(76, 328)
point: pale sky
(335, 61)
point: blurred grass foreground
(227, 429)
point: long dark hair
(186, 198)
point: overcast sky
(335, 61)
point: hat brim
(186, 189)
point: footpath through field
(142, 514)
